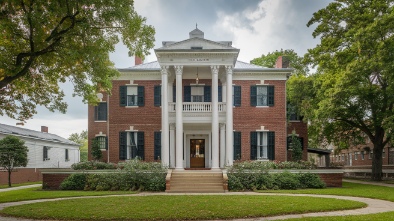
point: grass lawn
(181, 207)
(19, 184)
(348, 189)
(37, 193)
(352, 189)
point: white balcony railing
(199, 107)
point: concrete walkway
(373, 205)
(20, 187)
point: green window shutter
(157, 145)
(271, 95)
(123, 96)
(140, 145)
(253, 95)
(271, 145)
(220, 93)
(106, 143)
(237, 145)
(187, 90)
(141, 96)
(157, 95)
(174, 93)
(122, 145)
(207, 94)
(302, 142)
(253, 145)
(237, 96)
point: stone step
(196, 182)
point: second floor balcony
(197, 107)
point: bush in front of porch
(255, 175)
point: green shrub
(93, 165)
(133, 175)
(286, 181)
(75, 181)
(310, 180)
(267, 165)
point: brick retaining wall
(21, 175)
(332, 177)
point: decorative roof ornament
(196, 33)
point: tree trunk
(377, 162)
(9, 178)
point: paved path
(20, 187)
(373, 205)
(368, 182)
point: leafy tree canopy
(43, 43)
(354, 85)
(13, 153)
(82, 140)
(296, 61)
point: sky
(255, 27)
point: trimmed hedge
(253, 175)
(133, 175)
(93, 165)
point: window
(131, 96)
(102, 142)
(157, 145)
(362, 155)
(45, 153)
(66, 155)
(355, 155)
(262, 145)
(262, 95)
(236, 96)
(131, 145)
(290, 144)
(100, 112)
(292, 113)
(237, 145)
(370, 154)
(197, 94)
(157, 95)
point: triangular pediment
(196, 43)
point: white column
(222, 146)
(172, 145)
(229, 116)
(215, 118)
(179, 120)
(165, 153)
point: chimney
(137, 60)
(44, 129)
(282, 62)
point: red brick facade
(147, 118)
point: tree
(296, 147)
(296, 61)
(44, 43)
(13, 153)
(354, 83)
(96, 151)
(295, 92)
(82, 140)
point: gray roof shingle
(17, 131)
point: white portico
(196, 96)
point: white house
(45, 151)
